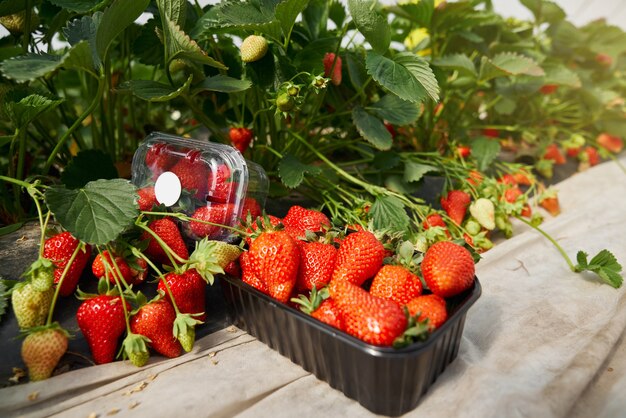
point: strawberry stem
(115, 266)
(552, 240)
(161, 277)
(79, 247)
(173, 257)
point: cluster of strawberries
(298, 254)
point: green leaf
(606, 266)
(9, 229)
(561, 75)
(371, 129)
(311, 57)
(85, 29)
(5, 140)
(397, 184)
(458, 62)
(223, 84)
(356, 69)
(386, 160)
(86, 166)
(24, 111)
(581, 257)
(31, 66)
(79, 57)
(485, 151)
(544, 10)
(174, 10)
(505, 106)
(371, 24)
(418, 12)
(415, 171)
(395, 110)
(388, 212)
(114, 20)
(179, 45)
(78, 6)
(154, 91)
(96, 214)
(292, 171)
(147, 47)
(407, 75)
(507, 64)
(315, 17)
(287, 11)
(249, 17)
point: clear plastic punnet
(207, 181)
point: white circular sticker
(167, 188)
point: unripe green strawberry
(253, 48)
(472, 227)
(30, 306)
(42, 274)
(484, 212)
(42, 350)
(285, 103)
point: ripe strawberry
(455, 204)
(317, 263)
(491, 133)
(604, 60)
(217, 213)
(507, 179)
(360, 256)
(590, 155)
(219, 185)
(253, 48)
(611, 143)
(551, 204)
(167, 230)
(192, 173)
(547, 89)
(434, 219)
(431, 307)
(396, 283)
(526, 212)
(554, 153)
(156, 321)
(248, 275)
(369, 318)
(252, 207)
(59, 250)
(42, 350)
(463, 151)
(448, 269)
(29, 305)
(328, 313)
(188, 291)
(511, 195)
(332, 63)
(573, 152)
(475, 178)
(391, 130)
(275, 258)
(160, 158)
(147, 198)
(100, 269)
(233, 269)
(102, 321)
(522, 177)
(267, 222)
(240, 138)
(302, 220)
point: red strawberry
(160, 157)
(369, 318)
(217, 213)
(328, 313)
(233, 269)
(527, 212)
(511, 195)
(455, 204)
(102, 321)
(360, 256)
(591, 155)
(475, 178)
(251, 206)
(317, 263)
(522, 178)
(435, 219)
(167, 230)
(241, 138)
(59, 250)
(42, 350)
(248, 275)
(332, 63)
(99, 268)
(156, 321)
(188, 291)
(267, 222)
(551, 204)
(219, 185)
(391, 130)
(463, 151)
(275, 258)
(491, 133)
(147, 198)
(302, 220)
(548, 88)
(611, 143)
(507, 179)
(554, 153)
(604, 60)
(448, 269)
(396, 283)
(192, 172)
(573, 152)
(431, 307)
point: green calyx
(211, 257)
(41, 274)
(416, 330)
(184, 330)
(308, 305)
(135, 349)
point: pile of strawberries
(343, 279)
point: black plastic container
(383, 379)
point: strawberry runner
(540, 340)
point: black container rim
(462, 303)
